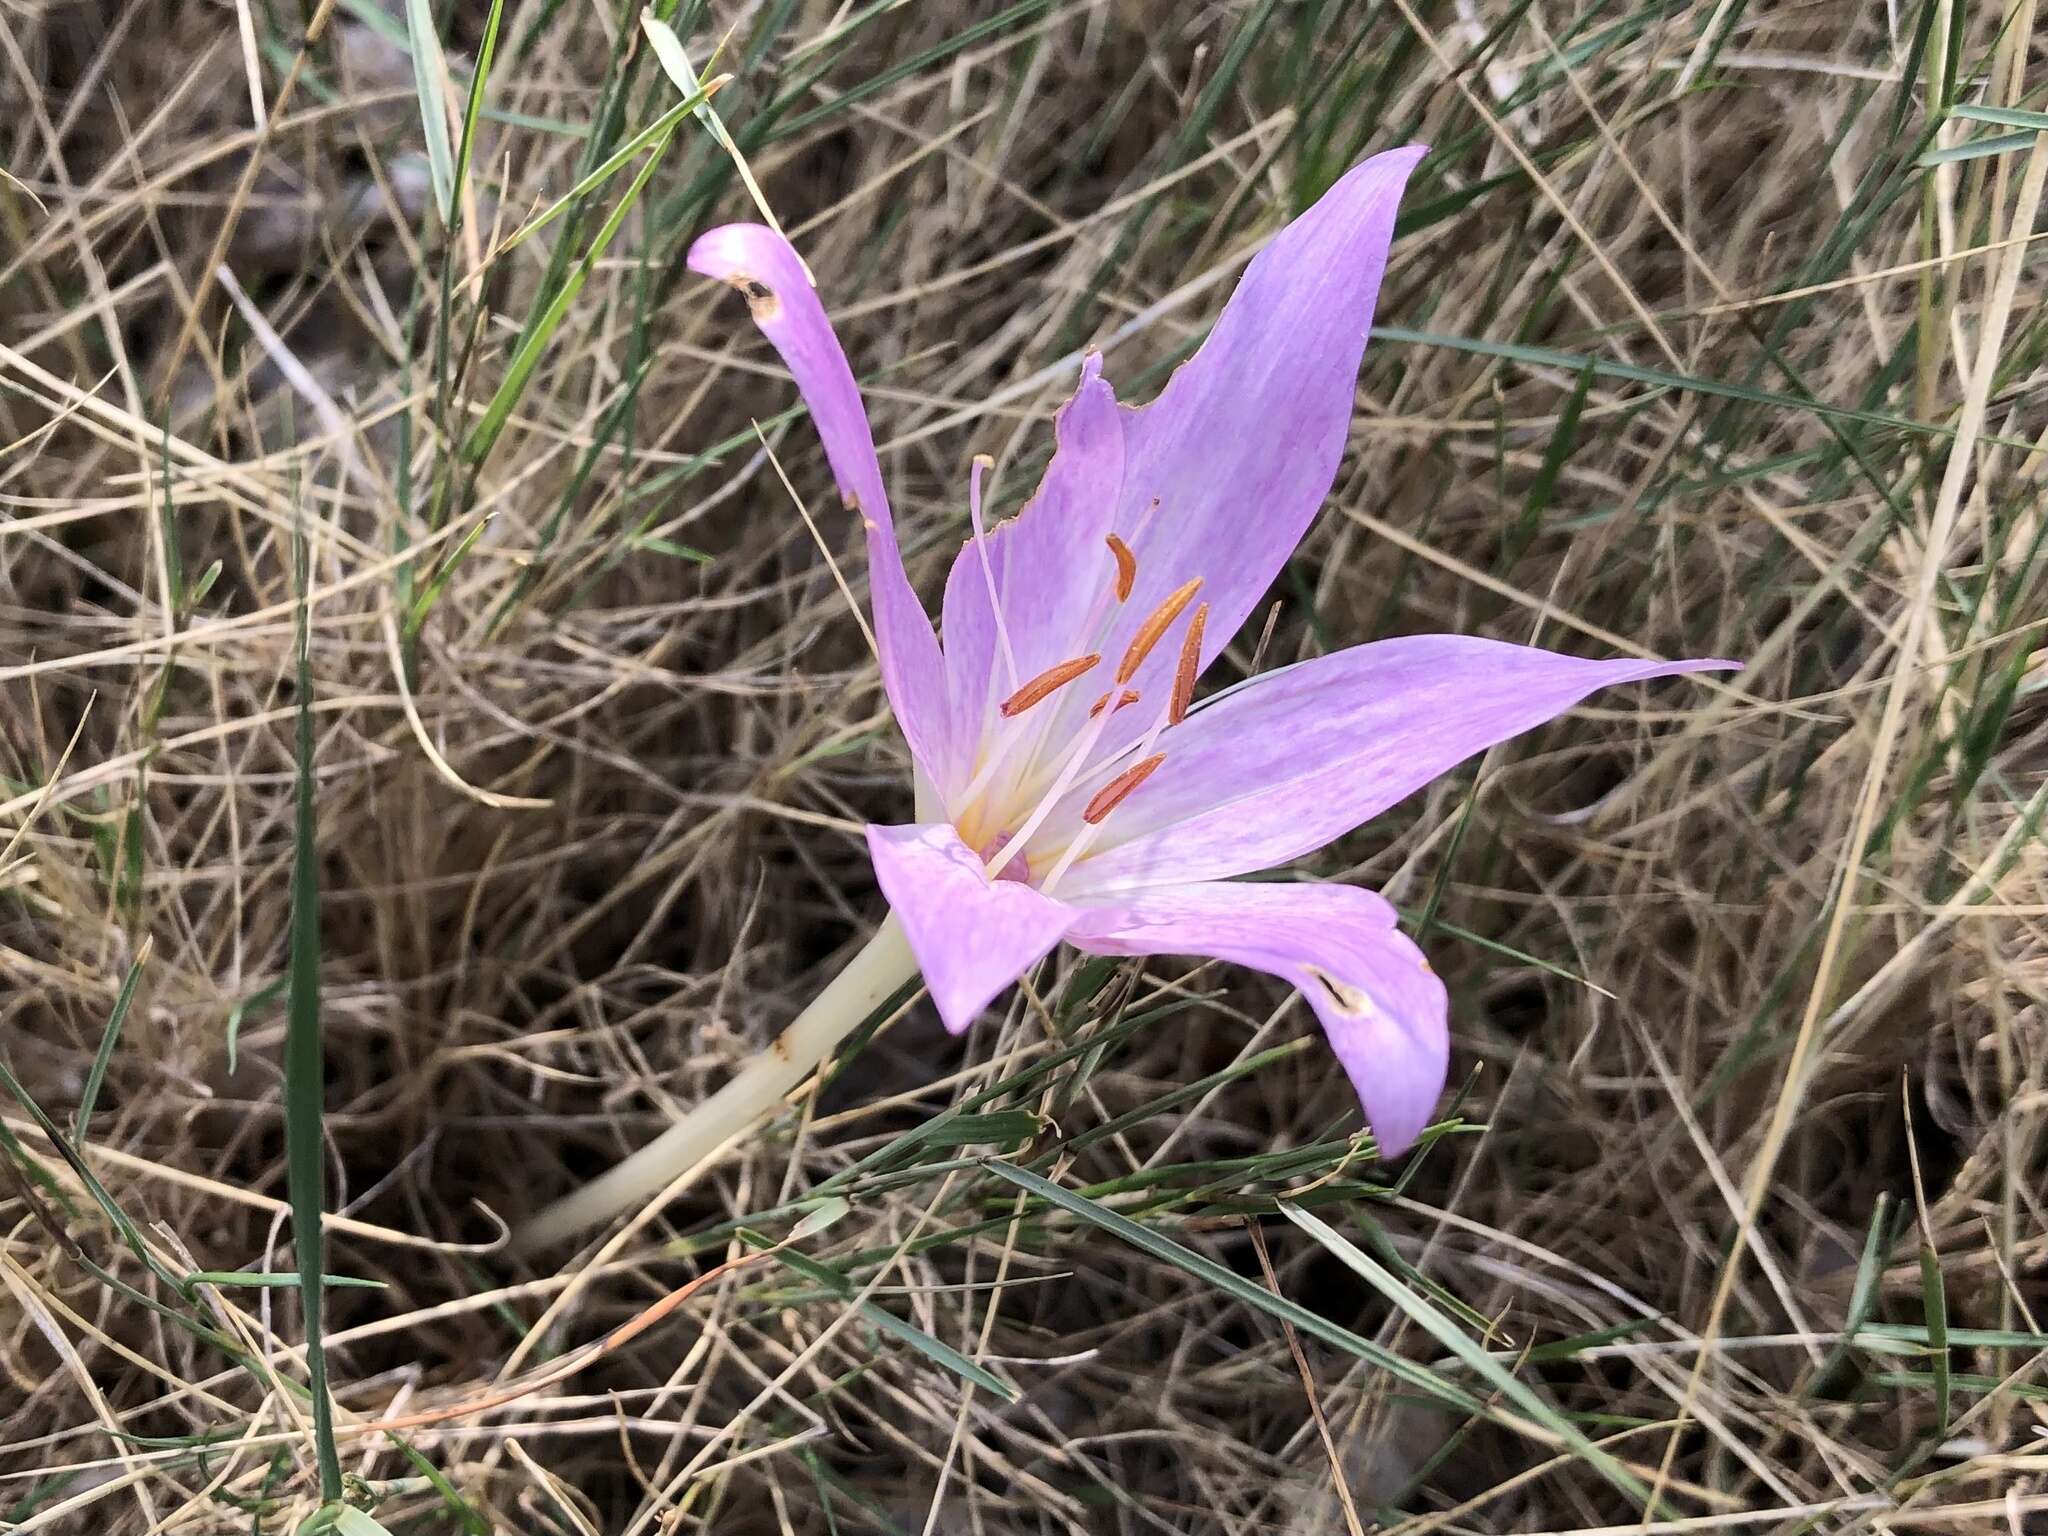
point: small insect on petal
(1118, 789)
(1190, 665)
(1154, 629)
(1126, 568)
(1046, 684)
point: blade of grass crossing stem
(429, 80)
(109, 1038)
(675, 63)
(939, 1353)
(1236, 1286)
(304, 1068)
(499, 411)
(1459, 1343)
(598, 174)
(422, 605)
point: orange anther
(1190, 664)
(1113, 794)
(1126, 568)
(1046, 684)
(1129, 697)
(1154, 628)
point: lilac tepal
(1075, 790)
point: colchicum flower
(1069, 786)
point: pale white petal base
(883, 965)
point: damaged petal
(1346, 997)
(760, 297)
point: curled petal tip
(736, 253)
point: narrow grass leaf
(255, 1002)
(1934, 1298)
(423, 604)
(1977, 149)
(934, 1350)
(2004, 117)
(499, 411)
(304, 1064)
(596, 177)
(675, 63)
(109, 1038)
(1574, 362)
(269, 1282)
(1459, 1343)
(1862, 1292)
(487, 50)
(429, 77)
(1236, 1286)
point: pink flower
(1069, 789)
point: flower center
(1002, 833)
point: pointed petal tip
(1697, 664)
(1393, 166)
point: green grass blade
(1167, 1251)
(2004, 117)
(937, 1351)
(109, 1038)
(1978, 149)
(487, 49)
(499, 411)
(423, 604)
(602, 172)
(304, 1066)
(1573, 362)
(1459, 1343)
(429, 78)
(273, 1282)
(1934, 1298)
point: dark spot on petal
(760, 297)
(1347, 998)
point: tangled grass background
(1711, 329)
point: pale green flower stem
(883, 965)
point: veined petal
(972, 936)
(1297, 757)
(1050, 568)
(765, 267)
(1226, 469)
(1382, 1007)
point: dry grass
(1748, 980)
